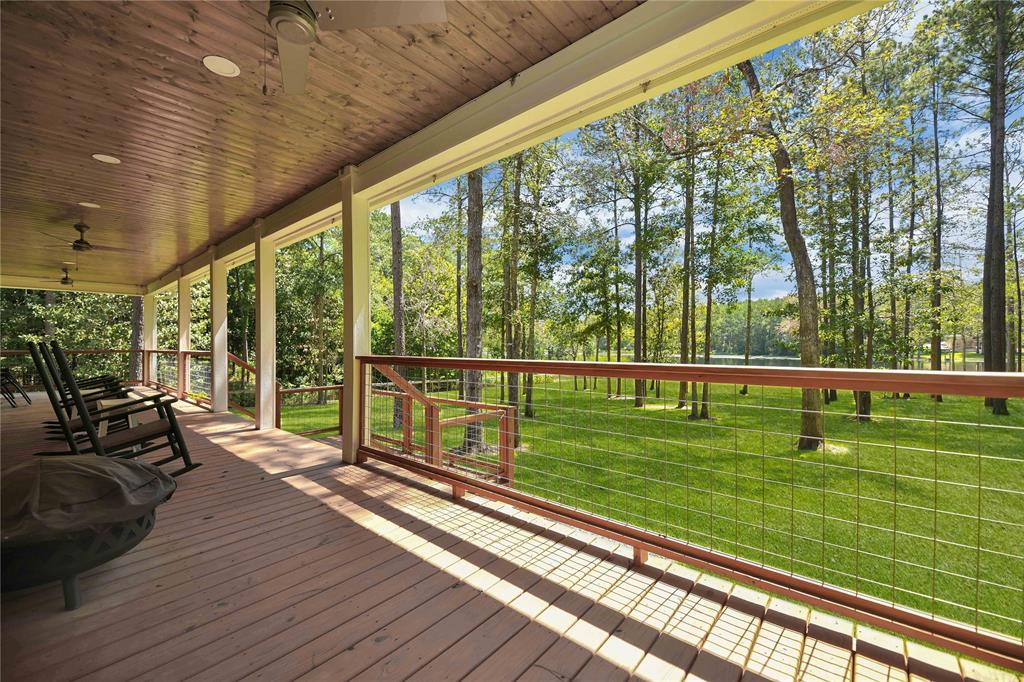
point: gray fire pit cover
(49, 497)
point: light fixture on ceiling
(106, 158)
(222, 66)
(88, 204)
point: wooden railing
(432, 448)
(320, 393)
(909, 518)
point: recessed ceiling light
(222, 66)
(88, 204)
(106, 158)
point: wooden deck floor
(273, 562)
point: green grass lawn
(890, 507)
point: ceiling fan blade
(294, 59)
(338, 15)
(115, 249)
(60, 239)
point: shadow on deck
(273, 561)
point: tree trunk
(824, 248)
(830, 301)
(513, 325)
(857, 284)
(472, 439)
(994, 280)
(894, 338)
(811, 420)
(910, 247)
(869, 288)
(531, 338)
(321, 325)
(936, 247)
(135, 359)
(49, 299)
(618, 296)
(746, 334)
(705, 400)
(397, 299)
(1020, 300)
(687, 312)
(639, 385)
(694, 401)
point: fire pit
(62, 516)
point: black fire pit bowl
(62, 516)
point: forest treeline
(876, 166)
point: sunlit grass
(889, 507)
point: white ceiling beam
(50, 284)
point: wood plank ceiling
(202, 155)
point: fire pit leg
(72, 595)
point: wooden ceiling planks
(202, 155)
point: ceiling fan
(65, 280)
(82, 244)
(295, 23)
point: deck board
(273, 561)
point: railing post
(182, 371)
(277, 406)
(432, 416)
(355, 219)
(506, 446)
(407, 423)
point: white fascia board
(49, 284)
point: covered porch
(385, 551)
(275, 561)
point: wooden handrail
(78, 351)
(983, 384)
(240, 362)
(311, 389)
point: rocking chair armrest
(93, 397)
(154, 399)
(118, 413)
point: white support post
(218, 334)
(266, 330)
(355, 219)
(184, 334)
(149, 337)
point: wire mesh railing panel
(241, 387)
(918, 504)
(166, 368)
(311, 411)
(200, 367)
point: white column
(218, 334)
(149, 336)
(184, 333)
(355, 220)
(266, 330)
